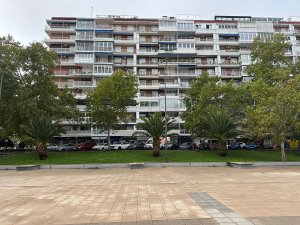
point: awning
(228, 35)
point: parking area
(226, 196)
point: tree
(27, 88)
(154, 126)
(220, 125)
(274, 91)
(208, 93)
(41, 130)
(109, 101)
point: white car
(120, 146)
(101, 147)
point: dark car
(85, 146)
(137, 145)
(186, 146)
(234, 146)
(170, 146)
(251, 145)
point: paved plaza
(156, 196)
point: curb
(166, 164)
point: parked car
(139, 145)
(170, 146)
(120, 146)
(186, 146)
(234, 146)
(85, 146)
(52, 147)
(250, 145)
(66, 147)
(101, 147)
(148, 144)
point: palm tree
(154, 126)
(41, 130)
(219, 125)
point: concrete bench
(240, 164)
(136, 165)
(27, 167)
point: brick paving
(156, 196)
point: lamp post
(1, 85)
(166, 60)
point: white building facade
(165, 54)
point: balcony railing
(84, 37)
(104, 27)
(63, 50)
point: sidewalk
(172, 195)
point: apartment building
(165, 54)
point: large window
(186, 45)
(167, 23)
(103, 69)
(89, 35)
(84, 46)
(168, 47)
(86, 24)
(247, 36)
(103, 46)
(185, 26)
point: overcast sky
(25, 19)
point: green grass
(144, 156)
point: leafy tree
(208, 93)
(27, 86)
(154, 126)
(41, 130)
(220, 125)
(274, 91)
(109, 101)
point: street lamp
(166, 60)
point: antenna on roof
(92, 8)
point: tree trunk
(108, 139)
(282, 151)
(42, 151)
(156, 148)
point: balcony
(228, 63)
(147, 63)
(104, 27)
(148, 30)
(84, 37)
(204, 41)
(207, 52)
(57, 39)
(83, 60)
(147, 74)
(124, 41)
(63, 50)
(149, 86)
(148, 42)
(229, 41)
(75, 84)
(60, 28)
(168, 85)
(230, 75)
(67, 62)
(146, 52)
(230, 52)
(81, 73)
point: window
(247, 36)
(103, 46)
(85, 55)
(130, 49)
(142, 82)
(87, 24)
(85, 35)
(186, 45)
(118, 60)
(84, 46)
(168, 47)
(227, 26)
(142, 61)
(103, 69)
(167, 23)
(185, 26)
(118, 49)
